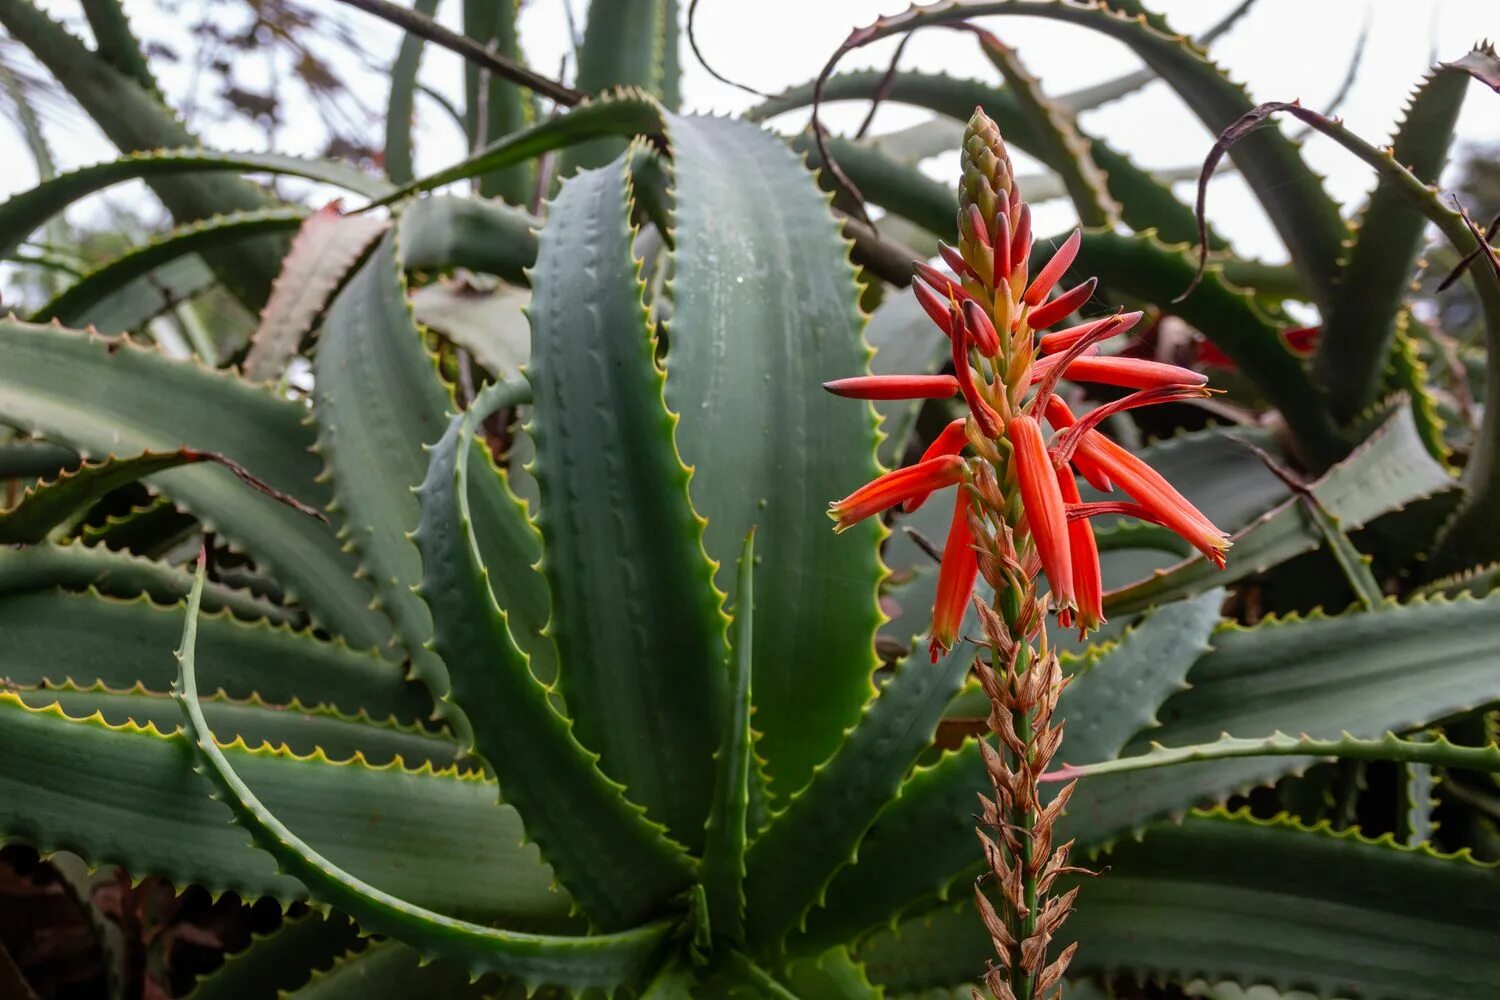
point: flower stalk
(1019, 520)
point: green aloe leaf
(1226, 897)
(899, 188)
(325, 249)
(128, 795)
(281, 960)
(618, 865)
(75, 305)
(637, 620)
(1433, 753)
(1389, 471)
(622, 114)
(24, 213)
(102, 396)
(401, 106)
(76, 566)
(378, 403)
(53, 636)
(441, 233)
(302, 729)
(31, 459)
(604, 960)
(51, 502)
(723, 867)
(390, 970)
(766, 310)
(135, 303)
(1361, 320)
(791, 863)
(923, 842)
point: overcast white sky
(1283, 49)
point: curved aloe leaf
(1360, 323)
(1306, 218)
(1433, 753)
(792, 862)
(1145, 203)
(923, 842)
(135, 303)
(900, 189)
(324, 250)
(623, 114)
(1389, 471)
(76, 566)
(51, 502)
(765, 310)
(389, 970)
(609, 961)
(52, 637)
(24, 213)
(441, 233)
(31, 459)
(103, 396)
(128, 795)
(297, 727)
(281, 960)
(1227, 897)
(72, 306)
(638, 623)
(617, 865)
(723, 867)
(623, 46)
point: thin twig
(883, 89)
(698, 54)
(425, 27)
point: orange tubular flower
(1088, 581)
(956, 578)
(896, 487)
(894, 387)
(951, 441)
(1045, 513)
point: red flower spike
(894, 387)
(895, 487)
(1088, 580)
(1127, 373)
(1020, 244)
(956, 577)
(1166, 506)
(951, 441)
(981, 328)
(984, 414)
(1046, 515)
(1002, 250)
(1064, 305)
(979, 231)
(1061, 418)
(1061, 340)
(1049, 275)
(955, 260)
(945, 285)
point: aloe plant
(530, 661)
